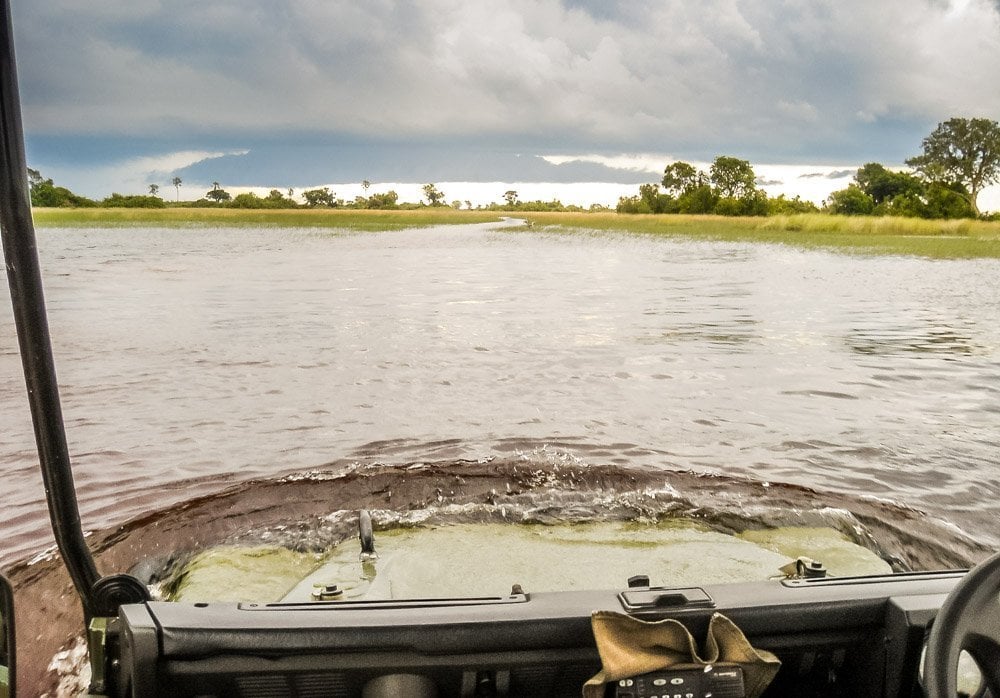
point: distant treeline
(730, 189)
(960, 157)
(44, 193)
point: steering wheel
(968, 620)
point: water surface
(191, 359)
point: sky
(547, 96)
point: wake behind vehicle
(832, 635)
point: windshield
(589, 268)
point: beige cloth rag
(629, 647)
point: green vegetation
(730, 189)
(274, 199)
(879, 191)
(45, 193)
(218, 194)
(332, 218)
(943, 239)
(963, 154)
(960, 158)
(929, 211)
(433, 195)
(939, 239)
(319, 197)
(538, 205)
(133, 201)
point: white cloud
(811, 182)
(129, 176)
(653, 163)
(485, 193)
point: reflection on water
(191, 359)
(937, 338)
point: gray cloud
(834, 174)
(768, 80)
(762, 182)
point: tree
(700, 199)
(433, 195)
(680, 178)
(44, 192)
(948, 202)
(733, 178)
(154, 189)
(779, 205)
(218, 194)
(511, 196)
(132, 201)
(319, 197)
(850, 202)
(884, 185)
(247, 200)
(384, 200)
(632, 204)
(176, 181)
(653, 201)
(962, 151)
(365, 184)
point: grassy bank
(349, 219)
(955, 239)
(939, 239)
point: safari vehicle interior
(891, 635)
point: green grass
(349, 219)
(956, 239)
(938, 239)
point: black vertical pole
(24, 276)
(9, 638)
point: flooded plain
(191, 360)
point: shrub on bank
(133, 201)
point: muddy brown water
(193, 360)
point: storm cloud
(796, 80)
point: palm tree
(154, 189)
(177, 185)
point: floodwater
(194, 359)
(489, 559)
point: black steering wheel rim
(968, 620)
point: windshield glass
(588, 268)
